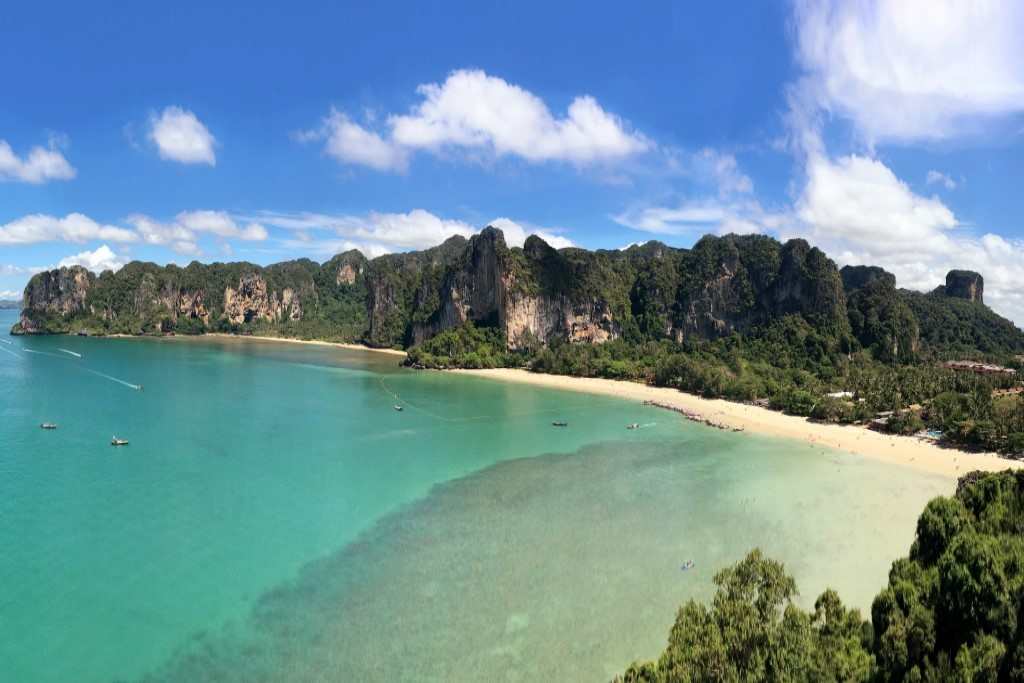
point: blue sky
(887, 133)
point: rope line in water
(424, 410)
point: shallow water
(275, 519)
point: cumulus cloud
(856, 197)
(941, 179)
(181, 235)
(912, 69)
(723, 170)
(74, 227)
(516, 233)
(377, 233)
(374, 233)
(180, 136)
(38, 166)
(99, 259)
(350, 143)
(860, 212)
(10, 294)
(221, 224)
(699, 216)
(478, 113)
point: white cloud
(374, 233)
(912, 69)
(181, 233)
(700, 216)
(516, 233)
(942, 179)
(11, 269)
(100, 259)
(74, 227)
(859, 212)
(179, 238)
(377, 233)
(221, 224)
(39, 165)
(10, 294)
(350, 143)
(721, 168)
(180, 136)
(860, 198)
(474, 112)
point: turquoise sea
(275, 519)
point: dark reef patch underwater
(562, 567)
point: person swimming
(689, 564)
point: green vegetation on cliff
(953, 609)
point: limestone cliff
(736, 283)
(532, 296)
(965, 284)
(54, 295)
(251, 301)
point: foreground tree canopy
(952, 610)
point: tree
(754, 632)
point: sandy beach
(313, 342)
(901, 450)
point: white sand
(902, 450)
(340, 345)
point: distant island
(8, 304)
(745, 318)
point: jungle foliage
(953, 609)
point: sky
(887, 133)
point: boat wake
(137, 387)
(71, 353)
(6, 342)
(10, 352)
(42, 353)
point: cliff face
(735, 283)
(60, 293)
(533, 295)
(880, 318)
(493, 285)
(965, 284)
(252, 302)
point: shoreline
(900, 450)
(907, 451)
(287, 340)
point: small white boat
(398, 408)
(633, 425)
(114, 441)
(48, 425)
(559, 424)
